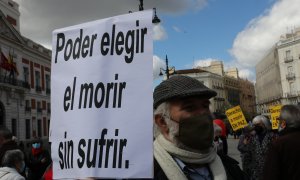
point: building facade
(278, 74)
(231, 90)
(24, 79)
(247, 98)
(212, 81)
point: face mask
(22, 168)
(258, 129)
(196, 132)
(36, 145)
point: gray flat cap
(180, 86)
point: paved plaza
(232, 149)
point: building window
(38, 81)
(290, 69)
(26, 74)
(47, 77)
(33, 127)
(27, 124)
(292, 87)
(14, 127)
(288, 53)
(39, 128)
(39, 107)
(45, 126)
(48, 108)
(27, 106)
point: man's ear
(161, 123)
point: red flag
(4, 62)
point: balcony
(288, 59)
(290, 76)
(38, 88)
(6, 80)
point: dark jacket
(38, 164)
(283, 160)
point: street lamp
(168, 71)
(141, 5)
(155, 19)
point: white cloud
(263, 32)
(177, 29)
(247, 74)
(204, 62)
(159, 32)
(39, 18)
(157, 64)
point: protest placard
(101, 96)
(275, 112)
(236, 118)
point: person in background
(219, 121)
(6, 142)
(259, 144)
(247, 133)
(283, 160)
(39, 159)
(13, 164)
(217, 140)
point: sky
(191, 33)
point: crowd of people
(16, 163)
(190, 143)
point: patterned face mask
(196, 132)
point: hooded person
(184, 147)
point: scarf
(164, 150)
(36, 151)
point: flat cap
(180, 86)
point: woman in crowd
(259, 144)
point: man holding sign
(184, 148)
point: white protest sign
(102, 103)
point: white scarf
(163, 149)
